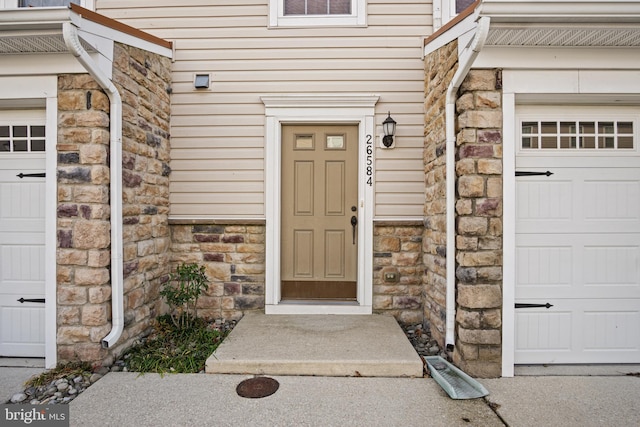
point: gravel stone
(95, 377)
(18, 398)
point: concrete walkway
(14, 372)
(323, 345)
(127, 399)
(121, 399)
(567, 401)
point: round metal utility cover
(255, 388)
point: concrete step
(320, 345)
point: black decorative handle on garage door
(547, 305)
(527, 173)
(23, 300)
(31, 175)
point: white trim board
(339, 108)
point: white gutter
(465, 62)
(70, 34)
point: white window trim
(13, 4)
(358, 17)
(287, 109)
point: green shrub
(182, 292)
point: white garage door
(578, 238)
(22, 225)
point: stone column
(479, 225)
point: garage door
(22, 197)
(578, 238)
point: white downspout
(464, 65)
(70, 34)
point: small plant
(71, 369)
(182, 292)
(174, 349)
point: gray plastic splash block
(456, 383)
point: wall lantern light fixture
(389, 129)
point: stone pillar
(440, 67)
(84, 211)
(478, 212)
(83, 228)
(479, 225)
(143, 80)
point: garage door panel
(612, 200)
(22, 199)
(591, 266)
(578, 249)
(612, 266)
(579, 200)
(543, 331)
(21, 328)
(22, 252)
(607, 330)
(548, 200)
(578, 331)
(544, 266)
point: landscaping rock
(18, 398)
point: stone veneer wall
(234, 259)
(83, 226)
(478, 212)
(479, 227)
(398, 270)
(440, 67)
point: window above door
(446, 10)
(317, 13)
(13, 4)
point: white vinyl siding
(218, 134)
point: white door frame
(556, 87)
(42, 92)
(358, 109)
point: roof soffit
(551, 23)
(39, 30)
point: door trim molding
(357, 109)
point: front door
(319, 212)
(22, 241)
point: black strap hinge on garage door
(31, 175)
(547, 305)
(527, 173)
(23, 300)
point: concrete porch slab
(320, 345)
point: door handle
(354, 224)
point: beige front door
(319, 212)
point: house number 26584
(369, 160)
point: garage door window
(577, 135)
(22, 138)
